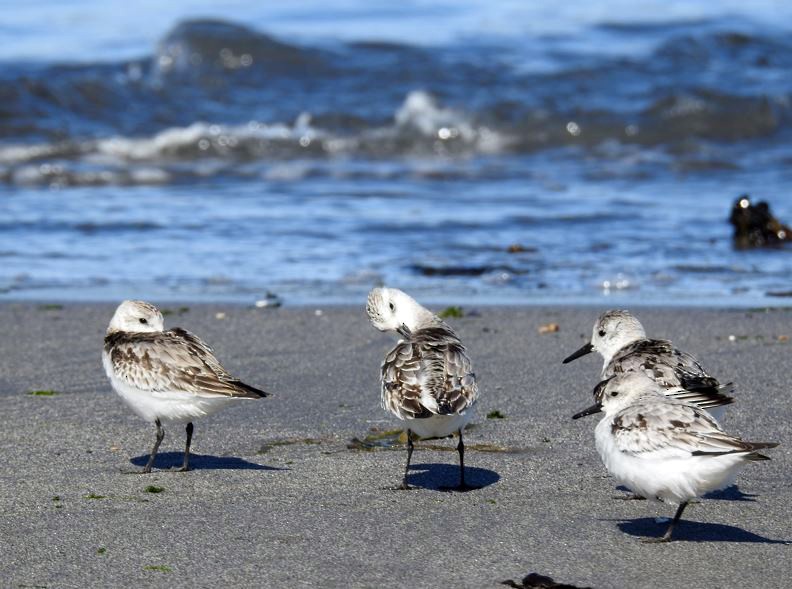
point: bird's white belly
(439, 426)
(167, 406)
(672, 475)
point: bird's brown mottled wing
(673, 429)
(172, 361)
(430, 374)
(460, 390)
(401, 382)
(664, 363)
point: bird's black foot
(632, 497)
(660, 540)
(180, 469)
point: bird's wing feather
(672, 428)
(429, 374)
(679, 373)
(701, 395)
(664, 363)
(172, 361)
(401, 385)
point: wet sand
(278, 499)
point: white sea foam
(421, 126)
(421, 112)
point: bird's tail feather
(250, 392)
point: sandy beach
(277, 498)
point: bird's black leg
(404, 485)
(667, 536)
(463, 486)
(461, 450)
(186, 464)
(160, 435)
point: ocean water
(467, 151)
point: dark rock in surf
(210, 43)
(755, 226)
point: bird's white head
(614, 330)
(624, 389)
(620, 391)
(136, 317)
(393, 310)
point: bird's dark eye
(614, 393)
(601, 333)
(143, 321)
(391, 306)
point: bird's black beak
(403, 330)
(587, 349)
(595, 408)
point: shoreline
(437, 304)
(278, 497)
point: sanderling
(662, 448)
(620, 339)
(169, 376)
(427, 379)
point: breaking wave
(220, 98)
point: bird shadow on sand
(169, 460)
(693, 531)
(732, 493)
(444, 477)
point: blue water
(218, 151)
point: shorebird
(664, 449)
(427, 378)
(620, 339)
(166, 376)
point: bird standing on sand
(664, 449)
(166, 376)
(620, 339)
(427, 379)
